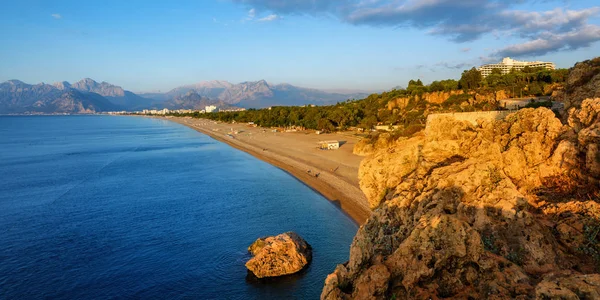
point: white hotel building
(210, 108)
(508, 64)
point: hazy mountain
(74, 101)
(88, 95)
(117, 95)
(19, 97)
(104, 89)
(257, 94)
(63, 85)
(210, 89)
(191, 100)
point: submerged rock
(279, 255)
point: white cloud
(551, 42)
(56, 16)
(269, 18)
(556, 29)
(252, 13)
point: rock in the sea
(279, 255)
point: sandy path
(296, 153)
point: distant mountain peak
(88, 80)
(15, 82)
(62, 85)
(105, 89)
(191, 93)
(212, 84)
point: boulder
(279, 255)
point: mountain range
(89, 96)
(18, 97)
(257, 94)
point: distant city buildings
(210, 108)
(163, 111)
(166, 111)
(232, 109)
(507, 64)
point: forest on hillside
(374, 110)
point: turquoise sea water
(99, 207)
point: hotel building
(508, 64)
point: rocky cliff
(441, 97)
(582, 83)
(507, 209)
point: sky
(369, 45)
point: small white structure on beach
(329, 145)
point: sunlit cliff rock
(503, 210)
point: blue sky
(337, 44)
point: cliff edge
(506, 209)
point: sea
(121, 207)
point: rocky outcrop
(279, 255)
(440, 97)
(382, 140)
(490, 97)
(432, 97)
(582, 83)
(505, 209)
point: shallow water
(96, 207)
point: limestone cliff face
(440, 97)
(507, 209)
(491, 97)
(433, 97)
(583, 82)
(383, 140)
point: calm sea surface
(97, 207)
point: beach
(332, 173)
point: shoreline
(345, 195)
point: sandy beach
(332, 173)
